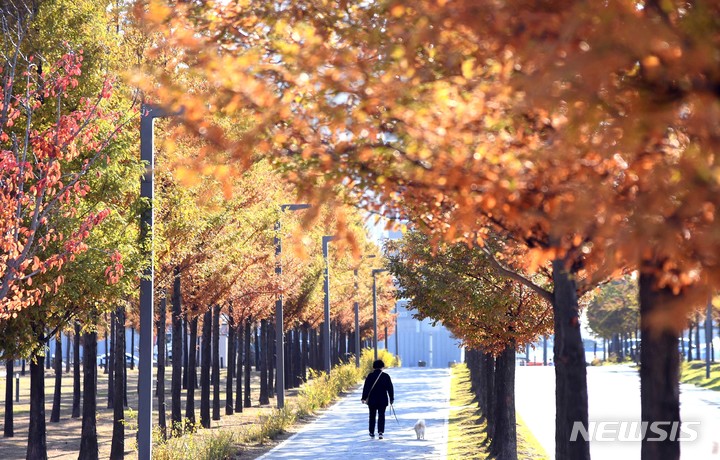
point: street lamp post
(357, 322)
(375, 335)
(357, 315)
(279, 333)
(397, 351)
(326, 289)
(148, 114)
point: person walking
(377, 393)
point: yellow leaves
(157, 12)
(398, 52)
(187, 177)
(468, 68)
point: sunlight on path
(341, 431)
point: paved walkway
(341, 432)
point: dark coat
(383, 389)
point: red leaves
(115, 271)
(42, 184)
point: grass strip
(467, 429)
(694, 373)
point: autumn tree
(613, 312)
(460, 287)
(538, 129)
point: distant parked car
(128, 358)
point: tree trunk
(297, 369)
(313, 361)
(305, 354)
(177, 356)
(287, 359)
(264, 398)
(659, 370)
(697, 337)
(76, 372)
(239, 367)
(216, 362)
(161, 329)
(37, 441)
(248, 364)
(117, 447)
(474, 361)
(120, 366)
(205, 369)
(88, 437)
(271, 358)
(110, 362)
(8, 428)
(682, 345)
(343, 352)
(190, 401)
(321, 350)
(67, 354)
(488, 367)
(690, 342)
(185, 353)
(107, 350)
(604, 349)
(571, 398)
(57, 395)
(504, 439)
(229, 409)
(257, 349)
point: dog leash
(394, 414)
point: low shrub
(215, 445)
(368, 356)
(269, 426)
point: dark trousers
(380, 412)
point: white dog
(420, 429)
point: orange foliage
(585, 131)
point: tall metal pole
(279, 320)
(279, 336)
(357, 322)
(375, 334)
(397, 351)
(374, 317)
(326, 289)
(357, 314)
(147, 122)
